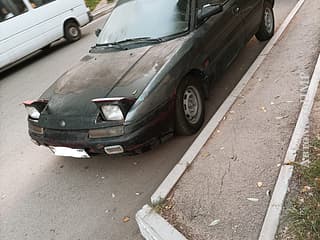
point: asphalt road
(48, 197)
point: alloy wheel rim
(73, 31)
(192, 106)
(268, 20)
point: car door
(48, 27)
(252, 13)
(221, 36)
(12, 26)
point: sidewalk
(226, 192)
(103, 8)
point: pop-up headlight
(112, 113)
(114, 109)
(33, 112)
(34, 108)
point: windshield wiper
(141, 40)
(120, 44)
(111, 45)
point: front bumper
(80, 140)
(150, 132)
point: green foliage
(92, 3)
(304, 214)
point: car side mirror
(98, 31)
(208, 10)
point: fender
(270, 1)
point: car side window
(11, 8)
(39, 3)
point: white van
(29, 25)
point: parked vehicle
(29, 25)
(147, 76)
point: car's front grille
(61, 135)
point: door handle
(236, 10)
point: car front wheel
(266, 29)
(190, 107)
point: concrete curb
(167, 185)
(154, 227)
(272, 219)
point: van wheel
(266, 29)
(72, 31)
(190, 107)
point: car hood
(112, 74)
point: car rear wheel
(189, 107)
(72, 31)
(266, 29)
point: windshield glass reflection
(145, 18)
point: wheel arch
(67, 20)
(202, 76)
(271, 2)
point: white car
(29, 25)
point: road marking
(166, 186)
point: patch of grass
(92, 4)
(304, 214)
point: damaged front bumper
(132, 141)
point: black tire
(190, 91)
(72, 31)
(267, 24)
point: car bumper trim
(112, 150)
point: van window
(11, 8)
(39, 3)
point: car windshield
(145, 20)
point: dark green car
(147, 76)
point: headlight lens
(33, 112)
(112, 113)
